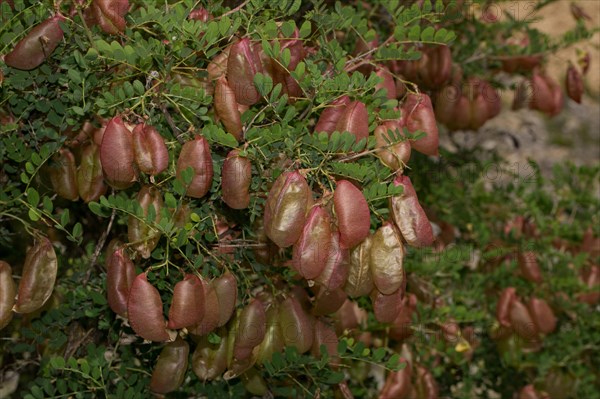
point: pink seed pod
(63, 175)
(435, 66)
(90, 180)
(542, 315)
(110, 15)
(394, 156)
(386, 257)
(200, 14)
(335, 271)
(398, 384)
(150, 151)
(145, 310)
(38, 277)
(225, 288)
(529, 266)
(218, 65)
(211, 311)
(330, 116)
(8, 291)
(418, 115)
(504, 305)
(226, 108)
(187, 305)
(352, 212)
(242, 65)
(196, 154)
(360, 279)
(325, 335)
(387, 307)
(311, 251)
(236, 178)
(574, 84)
(388, 84)
(328, 301)
(251, 329)
(521, 320)
(117, 155)
(296, 325)
(426, 384)
(120, 273)
(409, 216)
(285, 210)
(169, 372)
(355, 120)
(349, 316)
(37, 45)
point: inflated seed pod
(254, 383)
(63, 175)
(394, 156)
(398, 383)
(145, 310)
(196, 154)
(226, 108)
(209, 360)
(225, 288)
(435, 66)
(90, 180)
(521, 320)
(529, 267)
(355, 120)
(386, 257)
(349, 317)
(401, 326)
(200, 14)
(8, 291)
(120, 273)
(242, 65)
(417, 114)
(273, 340)
(386, 307)
(325, 335)
(172, 363)
(296, 325)
(117, 156)
(574, 84)
(542, 315)
(251, 329)
(328, 301)
(110, 15)
(311, 251)
(388, 83)
(236, 178)
(352, 213)
(38, 277)
(360, 279)
(285, 210)
(187, 305)
(409, 216)
(330, 116)
(504, 305)
(426, 386)
(335, 271)
(212, 312)
(142, 235)
(150, 150)
(37, 45)
(218, 65)
(529, 392)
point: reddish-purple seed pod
(200, 14)
(386, 259)
(426, 386)
(388, 82)
(394, 156)
(209, 360)
(311, 251)
(296, 325)
(328, 301)
(236, 178)
(63, 176)
(242, 65)
(110, 15)
(435, 66)
(38, 277)
(117, 155)
(169, 372)
(37, 45)
(529, 266)
(504, 305)
(335, 271)
(542, 315)
(225, 288)
(521, 320)
(120, 273)
(386, 307)
(398, 384)
(145, 310)
(251, 329)
(409, 216)
(8, 291)
(90, 180)
(418, 115)
(285, 210)
(211, 311)
(352, 212)
(187, 305)
(150, 151)
(330, 116)
(226, 108)
(574, 84)
(325, 335)
(196, 154)
(355, 120)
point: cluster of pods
(36, 284)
